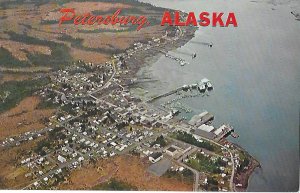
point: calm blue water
(255, 72)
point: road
(231, 184)
(196, 173)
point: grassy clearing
(186, 175)
(245, 161)
(204, 164)
(77, 43)
(47, 105)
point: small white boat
(185, 86)
(209, 86)
(202, 88)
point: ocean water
(255, 71)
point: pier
(201, 87)
(223, 132)
(164, 95)
(181, 61)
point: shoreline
(151, 56)
(144, 60)
(244, 177)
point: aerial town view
(149, 95)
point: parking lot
(160, 167)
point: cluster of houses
(101, 131)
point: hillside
(32, 43)
(31, 37)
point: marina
(202, 122)
(202, 86)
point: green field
(205, 164)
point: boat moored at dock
(207, 83)
(202, 88)
(209, 86)
(194, 86)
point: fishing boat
(202, 88)
(194, 86)
(185, 87)
(234, 135)
(207, 83)
(209, 86)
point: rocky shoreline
(241, 179)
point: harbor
(203, 86)
(201, 122)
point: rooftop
(156, 155)
(171, 149)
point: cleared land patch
(24, 117)
(127, 169)
(12, 176)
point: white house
(61, 159)
(155, 157)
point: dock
(181, 61)
(195, 86)
(164, 95)
(223, 132)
